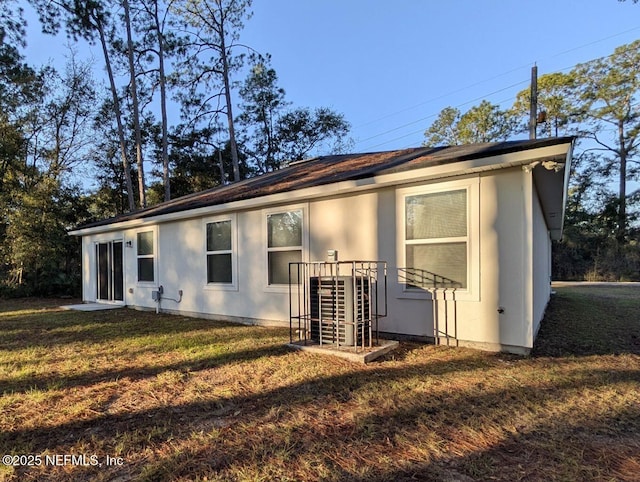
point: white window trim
(233, 286)
(472, 186)
(265, 236)
(156, 255)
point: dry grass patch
(187, 399)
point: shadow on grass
(237, 446)
(138, 333)
(546, 441)
(56, 328)
(254, 439)
(585, 321)
(136, 373)
(528, 456)
(340, 387)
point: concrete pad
(359, 354)
(91, 307)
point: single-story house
(481, 216)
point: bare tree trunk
(232, 133)
(136, 112)
(622, 188)
(163, 105)
(227, 94)
(217, 24)
(116, 107)
(221, 166)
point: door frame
(111, 267)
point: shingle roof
(331, 169)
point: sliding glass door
(109, 270)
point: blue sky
(390, 67)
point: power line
(439, 97)
(474, 85)
(434, 115)
(594, 42)
(421, 130)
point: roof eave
(384, 179)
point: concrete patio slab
(361, 355)
(91, 307)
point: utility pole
(533, 106)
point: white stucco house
(482, 215)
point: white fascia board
(565, 190)
(429, 173)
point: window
(146, 263)
(284, 244)
(219, 252)
(436, 239)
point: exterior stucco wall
(182, 266)
(88, 278)
(498, 318)
(541, 264)
(363, 226)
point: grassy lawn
(173, 398)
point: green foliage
(110, 196)
(598, 102)
(609, 91)
(199, 162)
(213, 28)
(40, 257)
(555, 100)
(443, 131)
(589, 250)
(41, 117)
(485, 122)
(60, 129)
(12, 28)
(80, 19)
(158, 45)
(49, 124)
(263, 102)
(302, 130)
(273, 136)
(12, 144)
(591, 259)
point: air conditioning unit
(340, 309)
